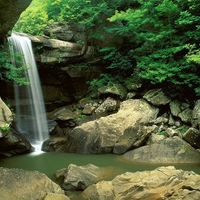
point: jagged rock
(78, 177)
(192, 136)
(117, 90)
(77, 33)
(133, 137)
(100, 136)
(186, 115)
(57, 144)
(6, 116)
(196, 115)
(172, 132)
(13, 143)
(161, 183)
(10, 11)
(58, 51)
(181, 110)
(157, 97)
(169, 150)
(72, 32)
(22, 184)
(155, 138)
(88, 109)
(110, 105)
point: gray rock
(78, 177)
(169, 150)
(157, 97)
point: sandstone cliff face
(10, 11)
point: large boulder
(161, 183)
(10, 11)
(100, 136)
(11, 141)
(78, 177)
(22, 184)
(169, 150)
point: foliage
(34, 19)
(5, 128)
(161, 38)
(8, 70)
(161, 32)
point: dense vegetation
(161, 37)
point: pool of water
(113, 165)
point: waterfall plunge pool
(49, 163)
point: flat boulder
(169, 150)
(78, 177)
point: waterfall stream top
(30, 109)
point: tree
(161, 32)
(10, 72)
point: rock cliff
(10, 11)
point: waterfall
(30, 110)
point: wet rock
(169, 150)
(22, 184)
(157, 97)
(78, 177)
(161, 183)
(13, 143)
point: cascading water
(30, 110)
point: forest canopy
(161, 37)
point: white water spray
(30, 110)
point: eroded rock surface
(162, 183)
(100, 136)
(22, 184)
(169, 150)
